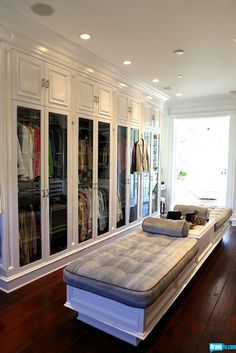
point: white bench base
(133, 324)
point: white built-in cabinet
(40, 182)
(151, 116)
(93, 179)
(137, 193)
(128, 183)
(38, 82)
(76, 134)
(93, 97)
(128, 109)
(151, 179)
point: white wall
(214, 106)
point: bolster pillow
(202, 211)
(174, 228)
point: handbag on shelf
(175, 215)
(191, 217)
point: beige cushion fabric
(135, 269)
(220, 215)
(174, 228)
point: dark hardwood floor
(33, 318)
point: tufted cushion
(220, 215)
(135, 269)
(174, 228)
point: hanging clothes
(25, 151)
(58, 158)
(121, 155)
(85, 213)
(101, 211)
(28, 151)
(20, 161)
(37, 143)
(29, 233)
(85, 156)
(140, 158)
(119, 213)
(50, 159)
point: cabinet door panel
(157, 118)
(105, 101)
(146, 187)
(58, 180)
(27, 76)
(57, 87)
(155, 172)
(122, 104)
(121, 176)
(29, 184)
(147, 115)
(85, 176)
(103, 173)
(136, 112)
(134, 178)
(85, 95)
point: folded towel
(174, 228)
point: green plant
(182, 174)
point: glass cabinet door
(57, 169)
(146, 179)
(134, 178)
(0, 239)
(155, 172)
(85, 177)
(29, 184)
(121, 176)
(103, 177)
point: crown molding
(22, 32)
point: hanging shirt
(20, 162)
(85, 156)
(140, 158)
(26, 141)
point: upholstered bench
(126, 286)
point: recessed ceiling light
(178, 94)
(127, 62)
(42, 9)
(85, 36)
(178, 52)
(155, 80)
(180, 76)
(122, 84)
(149, 97)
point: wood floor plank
(34, 319)
(221, 326)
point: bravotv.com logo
(220, 347)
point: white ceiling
(147, 32)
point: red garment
(36, 160)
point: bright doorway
(201, 160)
